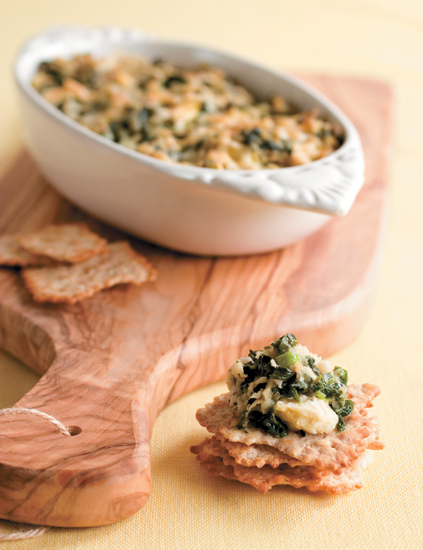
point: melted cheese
(312, 415)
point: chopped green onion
(342, 374)
(287, 359)
(295, 395)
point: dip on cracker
(285, 387)
(290, 418)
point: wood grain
(112, 362)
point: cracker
(71, 242)
(72, 283)
(373, 441)
(261, 455)
(11, 253)
(248, 456)
(219, 463)
(215, 467)
(331, 451)
(257, 455)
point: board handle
(107, 386)
(106, 378)
(98, 475)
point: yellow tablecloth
(187, 510)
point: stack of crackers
(67, 263)
(332, 463)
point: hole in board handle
(74, 430)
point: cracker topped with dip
(290, 418)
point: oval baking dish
(188, 208)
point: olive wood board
(112, 362)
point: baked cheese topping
(197, 116)
(286, 387)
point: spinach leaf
(284, 146)
(341, 424)
(251, 136)
(264, 367)
(300, 386)
(346, 409)
(282, 373)
(260, 386)
(276, 393)
(53, 71)
(311, 362)
(269, 422)
(174, 79)
(326, 385)
(285, 342)
(332, 390)
(251, 375)
(243, 420)
(258, 367)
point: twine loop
(20, 410)
(21, 535)
(36, 531)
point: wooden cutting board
(112, 362)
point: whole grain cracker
(331, 451)
(249, 455)
(218, 462)
(261, 455)
(70, 284)
(372, 442)
(71, 242)
(11, 253)
(257, 455)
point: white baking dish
(192, 209)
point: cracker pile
(330, 462)
(67, 263)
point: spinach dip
(285, 388)
(197, 117)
